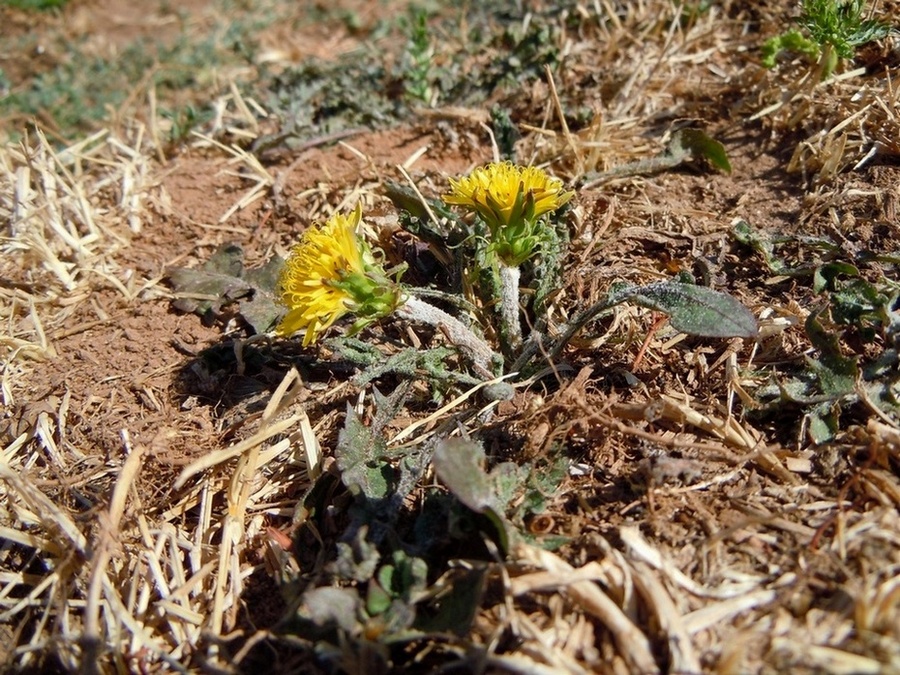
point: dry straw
(147, 582)
(150, 581)
(137, 583)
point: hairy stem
(510, 328)
(474, 347)
(568, 330)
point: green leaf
(361, 451)
(835, 28)
(765, 244)
(409, 576)
(456, 605)
(840, 24)
(827, 343)
(543, 482)
(261, 310)
(323, 611)
(222, 280)
(435, 366)
(885, 394)
(822, 422)
(697, 310)
(356, 351)
(359, 455)
(378, 599)
(825, 276)
(696, 143)
(401, 580)
(219, 280)
(546, 272)
(459, 464)
(357, 557)
(837, 374)
(505, 131)
(793, 41)
(744, 233)
(508, 481)
(860, 304)
(837, 377)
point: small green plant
(509, 239)
(417, 59)
(184, 120)
(854, 331)
(387, 585)
(507, 494)
(830, 30)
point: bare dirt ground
(708, 524)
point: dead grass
(701, 540)
(59, 246)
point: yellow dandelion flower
(505, 194)
(330, 273)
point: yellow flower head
(509, 199)
(330, 273)
(504, 193)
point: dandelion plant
(512, 202)
(332, 272)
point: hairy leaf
(325, 611)
(222, 280)
(825, 277)
(261, 310)
(357, 558)
(459, 464)
(762, 244)
(837, 373)
(215, 284)
(359, 454)
(697, 310)
(822, 422)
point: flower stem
(510, 328)
(474, 348)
